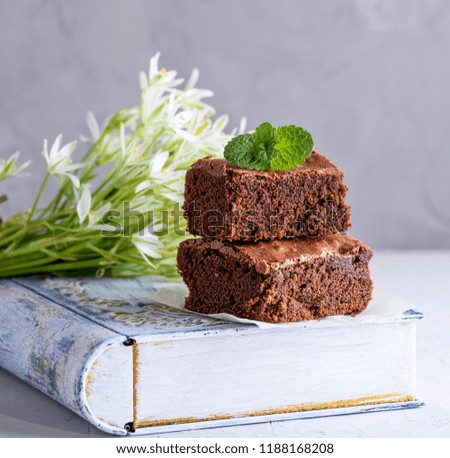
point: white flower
(84, 210)
(181, 120)
(97, 215)
(178, 120)
(158, 162)
(147, 245)
(94, 129)
(59, 161)
(193, 97)
(157, 172)
(207, 137)
(150, 101)
(8, 167)
(153, 67)
(154, 86)
(84, 203)
(159, 78)
(193, 79)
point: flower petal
(75, 180)
(56, 146)
(67, 150)
(153, 67)
(143, 81)
(93, 126)
(143, 185)
(193, 79)
(44, 153)
(84, 204)
(159, 159)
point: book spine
(48, 346)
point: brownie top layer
(316, 162)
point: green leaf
(253, 151)
(265, 139)
(294, 145)
(269, 148)
(238, 150)
(242, 151)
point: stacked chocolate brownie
(272, 247)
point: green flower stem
(38, 197)
(23, 231)
(113, 124)
(32, 225)
(53, 206)
(6, 240)
(30, 264)
(38, 245)
(100, 192)
(51, 267)
(55, 203)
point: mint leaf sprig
(270, 148)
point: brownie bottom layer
(221, 279)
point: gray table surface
(422, 277)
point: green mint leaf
(253, 151)
(240, 151)
(265, 139)
(269, 148)
(294, 145)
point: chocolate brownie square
(277, 281)
(225, 202)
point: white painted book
(123, 354)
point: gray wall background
(370, 79)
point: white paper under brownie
(382, 307)
(108, 351)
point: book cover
(123, 354)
